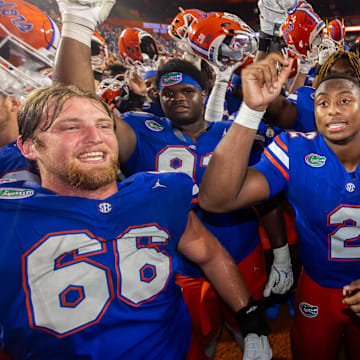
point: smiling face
(79, 150)
(183, 104)
(337, 111)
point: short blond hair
(37, 103)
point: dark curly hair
(353, 59)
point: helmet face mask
(27, 49)
(113, 91)
(178, 29)
(222, 39)
(137, 47)
(99, 53)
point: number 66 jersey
(326, 200)
(94, 279)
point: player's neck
(348, 154)
(9, 132)
(195, 129)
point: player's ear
(203, 96)
(27, 148)
(15, 104)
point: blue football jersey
(161, 147)
(303, 98)
(13, 165)
(326, 200)
(94, 279)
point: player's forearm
(272, 217)
(73, 65)
(226, 279)
(221, 184)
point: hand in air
(262, 81)
(91, 12)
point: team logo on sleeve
(308, 310)
(153, 125)
(315, 160)
(14, 193)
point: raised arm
(227, 183)
(73, 63)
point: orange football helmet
(222, 39)
(137, 46)
(302, 32)
(113, 91)
(178, 29)
(99, 52)
(336, 30)
(28, 42)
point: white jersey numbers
(341, 240)
(67, 289)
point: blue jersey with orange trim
(326, 201)
(13, 165)
(303, 98)
(94, 279)
(161, 147)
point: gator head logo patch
(171, 78)
(153, 125)
(315, 160)
(14, 193)
(308, 310)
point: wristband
(75, 28)
(252, 318)
(248, 117)
(282, 254)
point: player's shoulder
(15, 191)
(9, 150)
(169, 184)
(171, 179)
(302, 92)
(146, 121)
(225, 124)
(295, 141)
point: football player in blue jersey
(88, 264)
(183, 143)
(320, 174)
(297, 111)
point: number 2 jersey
(326, 200)
(163, 148)
(94, 279)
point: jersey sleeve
(274, 164)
